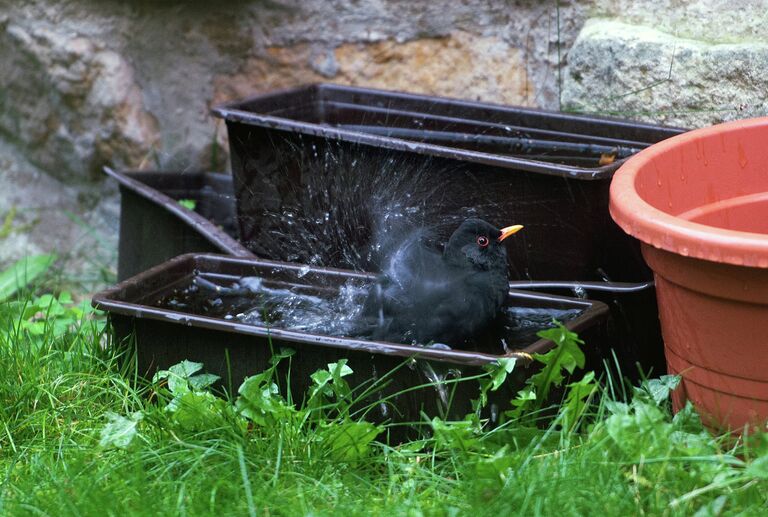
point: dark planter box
(154, 227)
(633, 328)
(234, 350)
(307, 151)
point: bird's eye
(482, 241)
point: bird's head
(479, 244)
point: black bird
(427, 297)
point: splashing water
(259, 302)
(334, 311)
(336, 207)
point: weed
(80, 433)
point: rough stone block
(641, 73)
(72, 104)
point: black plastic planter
(234, 350)
(633, 336)
(299, 151)
(152, 217)
(154, 227)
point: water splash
(335, 311)
(347, 208)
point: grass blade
(22, 273)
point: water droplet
(579, 292)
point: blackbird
(427, 297)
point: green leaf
(321, 378)
(688, 419)
(712, 508)
(758, 468)
(185, 369)
(660, 389)
(576, 402)
(22, 273)
(500, 370)
(349, 441)
(496, 468)
(260, 401)
(189, 204)
(179, 376)
(459, 435)
(120, 431)
(196, 411)
(565, 357)
(284, 353)
(617, 408)
(339, 369)
(202, 381)
(329, 383)
(522, 402)
(497, 375)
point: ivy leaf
(459, 435)
(339, 369)
(661, 388)
(259, 400)
(321, 378)
(522, 402)
(120, 430)
(202, 381)
(284, 353)
(496, 468)
(179, 375)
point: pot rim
(671, 233)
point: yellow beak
(509, 230)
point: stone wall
(130, 84)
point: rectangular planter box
(154, 227)
(293, 150)
(234, 350)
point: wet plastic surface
(633, 331)
(697, 203)
(154, 227)
(503, 164)
(234, 350)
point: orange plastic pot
(698, 202)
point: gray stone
(69, 102)
(711, 21)
(41, 214)
(641, 73)
(86, 82)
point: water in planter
(334, 311)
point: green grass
(78, 437)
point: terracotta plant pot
(698, 202)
